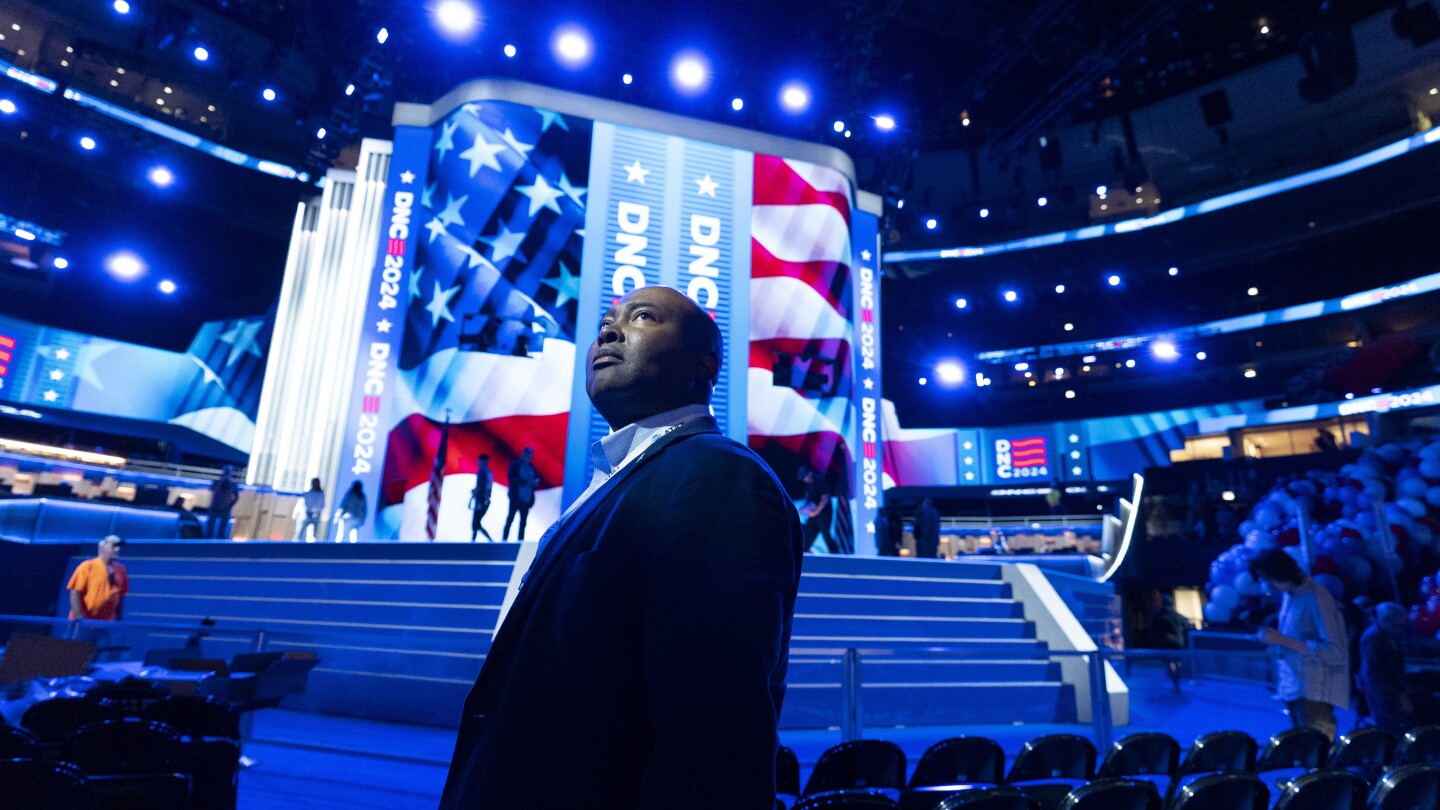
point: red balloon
(1349, 531)
(1289, 537)
(1324, 565)
(1402, 534)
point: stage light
(320, 133)
(201, 54)
(1113, 281)
(1165, 350)
(382, 35)
(884, 123)
(690, 72)
(269, 93)
(923, 381)
(931, 224)
(24, 234)
(1042, 202)
(899, 203)
(950, 373)
(456, 17)
(1059, 289)
(125, 265)
(984, 212)
(121, 7)
(1069, 394)
(87, 143)
(161, 177)
(1200, 355)
(1022, 366)
(1130, 363)
(7, 106)
(510, 51)
(1100, 191)
(1011, 295)
(1174, 271)
(61, 262)
(1089, 358)
(1249, 373)
(1059, 372)
(839, 126)
(795, 97)
(737, 104)
(1069, 327)
(572, 47)
(167, 286)
(961, 303)
(627, 79)
(1253, 291)
(847, 133)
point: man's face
(109, 551)
(639, 364)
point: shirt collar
(614, 451)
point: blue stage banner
(387, 301)
(868, 490)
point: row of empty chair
(1051, 770)
(117, 748)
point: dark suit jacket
(642, 664)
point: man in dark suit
(642, 664)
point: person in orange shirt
(98, 586)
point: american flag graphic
(490, 328)
(801, 301)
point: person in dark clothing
(817, 511)
(223, 495)
(1359, 616)
(480, 497)
(1170, 631)
(1382, 670)
(522, 481)
(927, 531)
(884, 546)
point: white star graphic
(869, 527)
(210, 375)
(550, 118)
(482, 154)
(865, 254)
(383, 326)
(505, 244)
(427, 194)
(62, 354)
(446, 141)
(57, 375)
(439, 306)
(436, 228)
(707, 186)
(541, 194)
(635, 173)
(869, 383)
(573, 192)
(567, 287)
(407, 177)
(241, 338)
(50, 396)
(523, 148)
(472, 108)
(451, 215)
(415, 283)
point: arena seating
(1057, 772)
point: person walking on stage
(223, 495)
(817, 511)
(646, 650)
(308, 511)
(927, 531)
(1314, 664)
(97, 591)
(480, 498)
(522, 481)
(350, 514)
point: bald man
(643, 663)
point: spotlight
(961, 303)
(923, 381)
(125, 265)
(87, 143)
(737, 104)
(899, 203)
(1113, 281)
(1069, 327)
(1249, 373)
(167, 286)
(382, 35)
(984, 212)
(931, 224)
(1100, 191)
(1011, 295)
(627, 79)
(320, 133)
(1130, 363)
(690, 72)
(7, 106)
(1174, 271)
(1022, 366)
(1165, 350)
(884, 123)
(572, 47)
(269, 93)
(510, 51)
(349, 89)
(457, 17)
(1069, 394)
(1059, 371)
(201, 54)
(121, 7)
(161, 177)
(1042, 202)
(795, 97)
(1253, 291)
(1200, 355)
(24, 234)
(1059, 289)
(61, 262)
(950, 373)
(847, 133)
(839, 126)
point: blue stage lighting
(87, 143)
(510, 51)
(932, 224)
(573, 47)
(1129, 363)
(839, 126)
(382, 35)
(457, 18)
(24, 234)
(795, 97)
(961, 303)
(60, 262)
(1113, 281)
(1043, 201)
(201, 53)
(125, 265)
(7, 106)
(1059, 289)
(1100, 191)
(950, 372)
(1022, 366)
(737, 104)
(1165, 350)
(984, 212)
(923, 381)
(121, 7)
(1174, 271)
(167, 286)
(160, 177)
(1200, 355)
(690, 71)
(269, 93)
(884, 123)
(1011, 296)
(320, 133)
(1253, 291)
(1069, 327)
(627, 79)
(349, 89)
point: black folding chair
(1222, 791)
(1419, 745)
(1291, 753)
(859, 764)
(131, 764)
(992, 798)
(1048, 768)
(1406, 788)
(1113, 794)
(54, 719)
(1147, 756)
(1364, 751)
(1324, 790)
(950, 766)
(32, 784)
(846, 800)
(18, 743)
(1215, 753)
